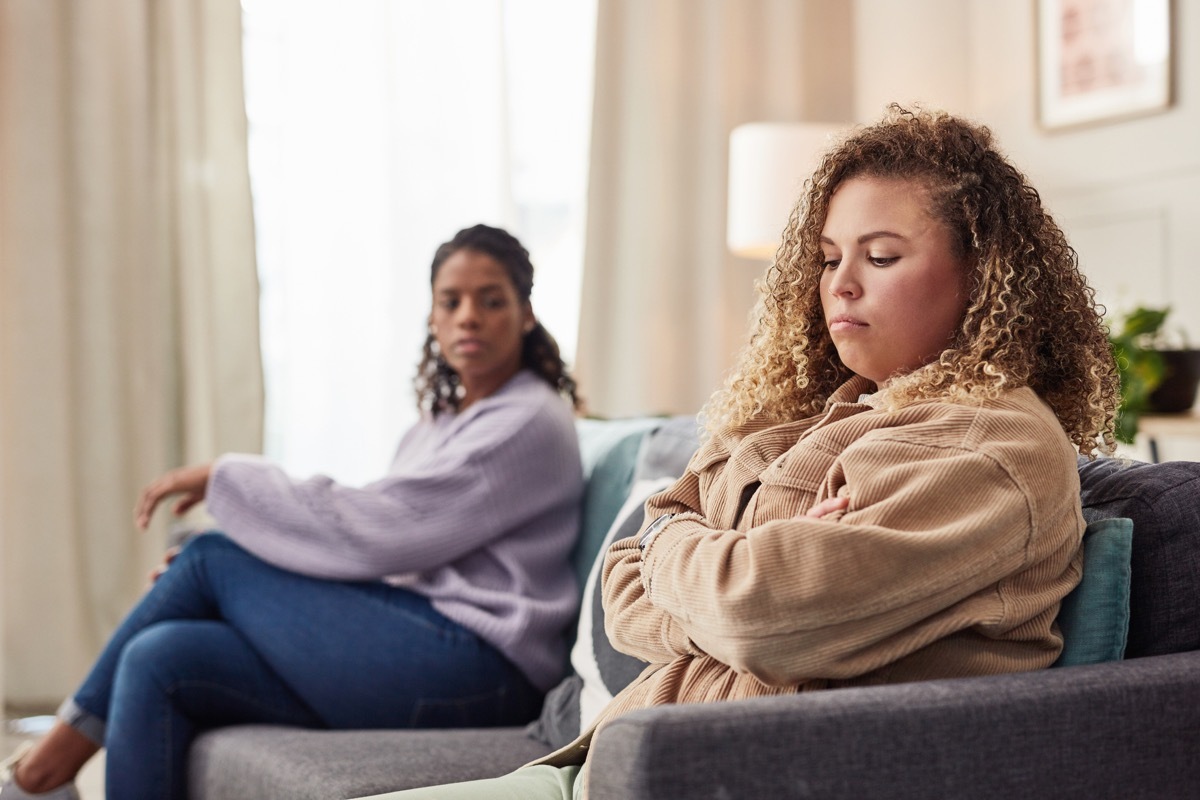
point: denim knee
(211, 541)
(151, 656)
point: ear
(529, 321)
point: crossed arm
(822, 594)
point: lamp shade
(768, 164)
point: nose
(843, 282)
(467, 313)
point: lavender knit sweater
(478, 512)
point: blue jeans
(224, 638)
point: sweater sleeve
(633, 624)
(800, 598)
(512, 460)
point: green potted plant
(1154, 377)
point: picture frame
(1102, 60)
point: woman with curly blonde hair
(888, 491)
(1031, 321)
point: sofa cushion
(609, 451)
(266, 762)
(1094, 618)
(1163, 500)
(666, 450)
(1124, 730)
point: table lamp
(768, 164)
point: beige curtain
(665, 307)
(128, 302)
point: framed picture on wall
(1100, 60)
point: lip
(845, 322)
(468, 346)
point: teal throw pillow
(609, 451)
(1094, 617)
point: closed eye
(832, 263)
(883, 261)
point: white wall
(1127, 192)
(910, 51)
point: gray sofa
(1128, 728)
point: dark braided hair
(437, 385)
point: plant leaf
(1140, 366)
(1144, 322)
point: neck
(484, 386)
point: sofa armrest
(1122, 729)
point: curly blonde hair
(1031, 318)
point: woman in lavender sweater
(433, 597)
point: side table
(1168, 426)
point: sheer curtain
(377, 129)
(128, 302)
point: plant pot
(1177, 392)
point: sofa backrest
(1163, 500)
(609, 449)
(615, 454)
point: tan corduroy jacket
(962, 535)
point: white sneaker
(10, 791)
